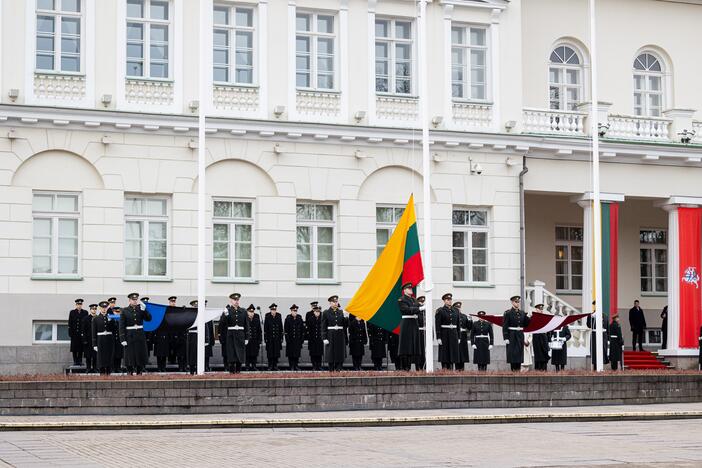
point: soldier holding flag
(131, 332)
(513, 332)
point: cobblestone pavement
(635, 443)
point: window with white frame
(148, 38)
(565, 78)
(146, 237)
(315, 50)
(58, 35)
(233, 42)
(648, 85)
(569, 258)
(50, 332)
(315, 241)
(386, 218)
(232, 241)
(393, 56)
(56, 233)
(469, 51)
(653, 337)
(470, 245)
(653, 259)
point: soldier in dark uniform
(559, 347)
(191, 342)
(514, 321)
(294, 329)
(131, 332)
(377, 341)
(273, 336)
(86, 325)
(313, 329)
(313, 306)
(254, 335)
(75, 331)
(334, 326)
(447, 321)
(118, 350)
(358, 338)
(408, 349)
(465, 326)
(103, 339)
(162, 342)
(420, 363)
(539, 341)
(234, 324)
(616, 342)
(482, 338)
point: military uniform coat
(236, 338)
(616, 342)
(135, 353)
(118, 351)
(104, 342)
(86, 330)
(539, 342)
(294, 336)
(515, 349)
(560, 356)
(393, 343)
(377, 339)
(162, 343)
(313, 329)
(358, 337)
(336, 349)
(255, 335)
(409, 327)
(273, 335)
(447, 331)
(482, 338)
(75, 329)
(466, 325)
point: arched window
(565, 78)
(648, 85)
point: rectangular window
(469, 51)
(393, 56)
(470, 245)
(148, 38)
(58, 35)
(386, 218)
(315, 50)
(146, 237)
(315, 241)
(50, 332)
(55, 234)
(569, 258)
(653, 260)
(653, 336)
(232, 242)
(233, 43)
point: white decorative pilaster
(262, 59)
(448, 94)
(292, 79)
(495, 67)
(371, 61)
(343, 59)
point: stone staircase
(645, 360)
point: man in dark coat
(408, 348)
(420, 363)
(191, 341)
(465, 325)
(482, 338)
(334, 326)
(358, 338)
(638, 325)
(118, 350)
(87, 337)
(539, 342)
(513, 333)
(616, 342)
(273, 336)
(131, 332)
(75, 331)
(377, 339)
(103, 339)
(254, 334)
(313, 330)
(234, 323)
(559, 347)
(294, 328)
(664, 327)
(447, 322)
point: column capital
(675, 202)
(605, 197)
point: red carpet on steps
(642, 360)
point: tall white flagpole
(596, 205)
(426, 180)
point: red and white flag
(539, 323)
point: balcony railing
(554, 121)
(631, 127)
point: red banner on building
(689, 225)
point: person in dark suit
(273, 336)
(616, 343)
(87, 337)
(377, 341)
(465, 324)
(358, 338)
(294, 328)
(515, 319)
(637, 321)
(482, 338)
(103, 340)
(539, 343)
(334, 337)
(664, 328)
(447, 323)
(408, 348)
(313, 329)
(254, 335)
(131, 332)
(234, 323)
(75, 331)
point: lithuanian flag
(400, 262)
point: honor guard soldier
(162, 342)
(539, 342)
(464, 327)
(118, 349)
(447, 321)
(87, 334)
(313, 329)
(254, 334)
(514, 321)
(273, 336)
(75, 331)
(377, 341)
(234, 322)
(616, 343)
(420, 363)
(294, 337)
(358, 338)
(559, 347)
(103, 339)
(313, 306)
(131, 332)
(334, 326)
(408, 348)
(191, 343)
(482, 338)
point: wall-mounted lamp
(12, 135)
(106, 140)
(359, 154)
(358, 116)
(436, 120)
(278, 111)
(106, 99)
(192, 144)
(510, 124)
(277, 149)
(13, 94)
(510, 162)
(475, 168)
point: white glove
(95, 348)
(475, 347)
(459, 341)
(469, 342)
(246, 342)
(422, 308)
(326, 342)
(490, 347)
(506, 341)
(438, 341)
(124, 343)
